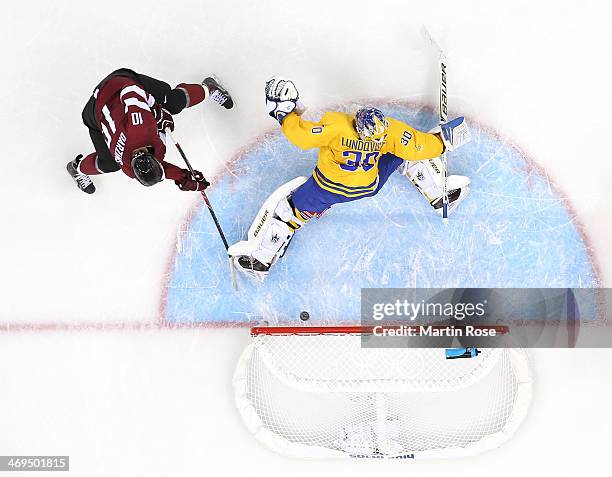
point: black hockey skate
(83, 181)
(453, 195)
(218, 93)
(250, 263)
(251, 266)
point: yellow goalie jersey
(347, 164)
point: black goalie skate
(218, 93)
(252, 267)
(83, 181)
(455, 197)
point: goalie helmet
(147, 169)
(371, 124)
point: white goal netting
(321, 394)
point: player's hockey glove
(189, 183)
(282, 98)
(164, 119)
(454, 133)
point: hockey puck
(304, 316)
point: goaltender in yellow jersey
(348, 164)
(357, 155)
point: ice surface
(158, 402)
(514, 230)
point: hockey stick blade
(233, 274)
(433, 43)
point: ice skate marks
(514, 230)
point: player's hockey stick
(443, 109)
(208, 205)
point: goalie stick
(443, 110)
(208, 205)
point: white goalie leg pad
(270, 243)
(272, 229)
(428, 177)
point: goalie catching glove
(282, 98)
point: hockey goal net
(315, 392)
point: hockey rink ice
(119, 330)
(512, 204)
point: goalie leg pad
(428, 177)
(271, 241)
(270, 233)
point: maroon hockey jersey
(126, 114)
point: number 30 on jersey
(356, 159)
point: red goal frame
(352, 330)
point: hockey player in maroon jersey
(127, 116)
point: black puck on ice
(304, 316)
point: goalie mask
(147, 169)
(371, 124)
